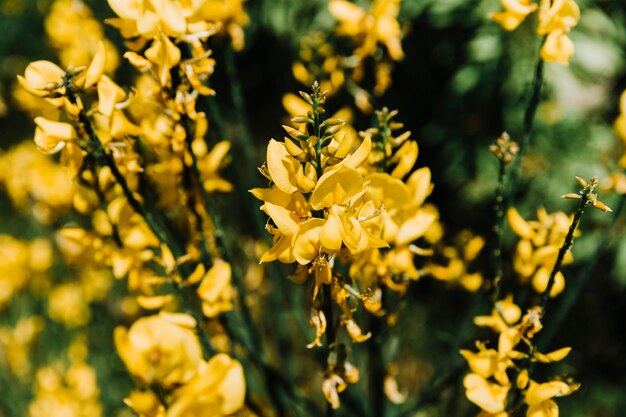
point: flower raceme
(331, 200)
(556, 19)
(539, 244)
(489, 384)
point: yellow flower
(515, 11)
(556, 19)
(488, 396)
(380, 24)
(148, 17)
(41, 78)
(215, 291)
(218, 389)
(157, 350)
(539, 397)
(558, 48)
(556, 15)
(51, 137)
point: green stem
(575, 286)
(529, 118)
(500, 207)
(569, 241)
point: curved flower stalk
(555, 20)
(376, 36)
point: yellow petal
(284, 219)
(109, 94)
(419, 185)
(38, 75)
(408, 155)
(415, 227)
(538, 393)
(490, 397)
(557, 48)
(545, 409)
(330, 235)
(554, 356)
(96, 67)
(281, 167)
(128, 9)
(519, 225)
(336, 187)
(360, 155)
(50, 137)
(307, 241)
(393, 193)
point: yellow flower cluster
(66, 392)
(16, 343)
(65, 19)
(537, 250)
(326, 200)
(375, 35)
(556, 19)
(35, 183)
(21, 263)
(177, 18)
(163, 350)
(489, 384)
(115, 145)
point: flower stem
(498, 231)
(567, 244)
(529, 118)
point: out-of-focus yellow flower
(156, 350)
(367, 29)
(232, 16)
(67, 303)
(514, 13)
(15, 343)
(539, 397)
(215, 290)
(558, 48)
(555, 15)
(490, 397)
(61, 392)
(218, 389)
(148, 17)
(537, 250)
(556, 19)
(488, 384)
(69, 17)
